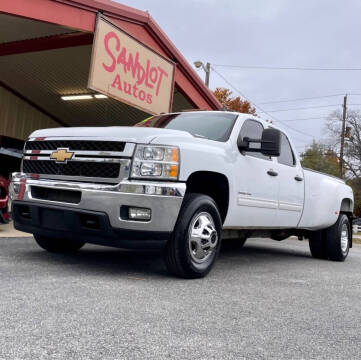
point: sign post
(127, 70)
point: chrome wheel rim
(202, 238)
(344, 238)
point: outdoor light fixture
(198, 64)
(83, 97)
(207, 69)
(76, 97)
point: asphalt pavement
(269, 300)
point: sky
(272, 33)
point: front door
(257, 184)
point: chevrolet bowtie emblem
(61, 155)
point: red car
(4, 196)
(10, 158)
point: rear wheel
(57, 245)
(338, 239)
(195, 242)
(332, 243)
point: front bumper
(59, 222)
(164, 199)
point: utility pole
(208, 71)
(343, 135)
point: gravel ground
(269, 300)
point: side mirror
(270, 143)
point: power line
(302, 140)
(300, 99)
(305, 119)
(288, 68)
(299, 140)
(308, 107)
(311, 107)
(305, 98)
(254, 104)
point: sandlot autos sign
(127, 70)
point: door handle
(298, 178)
(272, 172)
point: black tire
(334, 249)
(179, 256)
(57, 245)
(317, 243)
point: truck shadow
(110, 261)
(104, 261)
(254, 248)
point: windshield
(214, 126)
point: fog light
(139, 214)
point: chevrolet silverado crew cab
(177, 182)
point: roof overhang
(78, 17)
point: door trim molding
(256, 202)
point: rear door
(291, 186)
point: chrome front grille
(90, 160)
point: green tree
(355, 183)
(320, 157)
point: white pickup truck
(178, 182)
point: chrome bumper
(163, 198)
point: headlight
(156, 162)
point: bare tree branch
(352, 149)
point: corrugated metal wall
(18, 119)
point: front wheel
(57, 245)
(196, 239)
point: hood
(142, 135)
